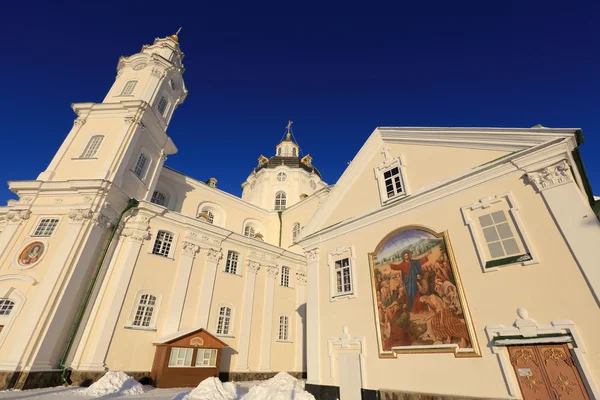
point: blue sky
(336, 71)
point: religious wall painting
(418, 296)
(31, 254)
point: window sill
(398, 197)
(286, 287)
(342, 296)
(204, 366)
(83, 158)
(225, 336)
(138, 178)
(233, 274)
(284, 341)
(521, 258)
(161, 256)
(140, 328)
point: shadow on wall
(301, 310)
(226, 354)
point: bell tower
(123, 139)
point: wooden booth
(186, 358)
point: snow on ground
(280, 387)
(212, 389)
(115, 383)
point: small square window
(46, 227)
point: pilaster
(246, 321)
(300, 362)
(574, 217)
(267, 330)
(180, 287)
(154, 180)
(213, 256)
(312, 317)
(14, 219)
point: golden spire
(175, 37)
(289, 130)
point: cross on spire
(289, 130)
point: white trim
(239, 263)
(229, 332)
(289, 328)
(528, 328)
(259, 227)
(15, 295)
(220, 216)
(333, 256)
(385, 166)
(355, 345)
(37, 223)
(152, 240)
(513, 211)
(87, 143)
(134, 307)
(19, 277)
(147, 166)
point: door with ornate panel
(547, 372)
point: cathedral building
(451, 261)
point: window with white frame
(159, 198)
(224, 321)
(390, 179)
(496, 230)
(141, 164)
(163, 243)
(209, 215)
(295, 231)
(285, 276)
(145, 310)
(343, 276)
(92, 147)
(46, 227)
(231, 265)
(284, 328)
(250, 230)
(128, 88)
(393, 182)
(280, 201)
(162, 106)
(206, 358)
(281, 177)
(6, 306)
(181, 357)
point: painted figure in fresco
(410, 270)
(444, 324)
(397, 317)
(32, 255)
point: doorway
(349, 374)
(547, 372)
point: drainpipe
(280, 226)
(65, 372)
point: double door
(547, 372)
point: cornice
(546, 154)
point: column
(14, 219)
(312, 317)
(156, 173)
(180, 287)
(208, 286)
(246, 322)
(574, 217)
(16, 357)
(133, 236)
(300, 323)
(267, 330)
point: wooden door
(547, 372)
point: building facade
(449, 261)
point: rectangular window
(232, 262)
(143, 314)
(206, 358)
(285, 276)
(224, 321)
(46, 227)
(283, 328)
(128, 88)
(181, 357)
(343, 276)
(162, 106)
(92, 147)
(162, 244)
(393, 185)
(498, 235)
(140, 166)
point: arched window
(92, 147)
(6, 306)
(280, 201)
(145, 310)
(284, 328)
(128, 88)
(163, 243)
(224, 321)
(281, 177)
(250, 230)
(207, 215)
(159, 198)
(140, 166)
(295, 231)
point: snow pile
(114, 382)
(212, 389)
(282, 386)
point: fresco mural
(418, 297)
(31, 254)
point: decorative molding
(134, 234)
(19, 277)
(18, 216)
(158, 73)
(355, 345)
(252, 266)
(20, 202)
(80, 214)
(214, 255)
(79, 121)
(102, 221)
(189, 249)
(272, 271)
(301, 277)
(133, 120)
(548, 177)
(312, 256)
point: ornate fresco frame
(474, 351)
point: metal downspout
(280, 226)
(65, 372)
